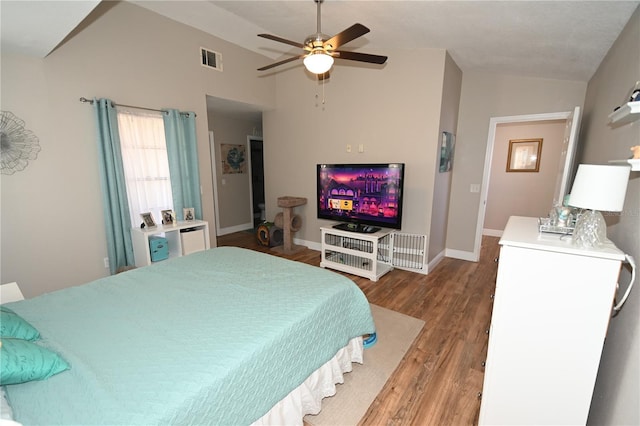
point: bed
(223, 336)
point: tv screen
(363, 197)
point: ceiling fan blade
(351, 33)
(282, 40)
(361, 57)
(284, 61)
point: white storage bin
(192, 240)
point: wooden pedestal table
(289, 223)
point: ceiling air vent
(210, 59)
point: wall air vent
(210, 59)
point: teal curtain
(182, 150)
(114, 188)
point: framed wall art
(524, 155)
(233, 159)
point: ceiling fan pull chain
(323, 98)
(322, 101)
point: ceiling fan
(320, 50)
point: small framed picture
(168, 217)
(524, 155)
(147, 219)
(189, 213)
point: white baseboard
(434, 262)
(492, 232)
(462, 255)
(309, 244)
(232, 229)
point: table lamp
(597, 188)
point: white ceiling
(36, 27)
(546, 39)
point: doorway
(257, 180)
(564, 168)
(516, 190)
(234, 124)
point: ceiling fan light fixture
(318, 62)
(320, 49)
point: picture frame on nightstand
(168, 217)
(147, 220)
(189, 213)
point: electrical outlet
(106, 262)
(348, 147)
(475, 187)
(361, 147)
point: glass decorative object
(591, 229)
(597, 188)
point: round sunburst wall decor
(17, 144)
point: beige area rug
(396, 332)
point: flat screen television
(362, 197)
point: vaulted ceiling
(546, 39)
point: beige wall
(485, 96)
(52, 232)
(617, 392)
(136, 57)
(52, 211)
(523, 193)
(442, 181)
(234, 190)
(394, 112)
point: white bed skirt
(307, 398)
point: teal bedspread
(216, 337)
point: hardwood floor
(438, 381)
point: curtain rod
(90, 101)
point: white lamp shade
(318, 62)
(598, 187)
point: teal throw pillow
(23, 361)
(13, 325)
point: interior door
(567, 156)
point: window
(145, 161)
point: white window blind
(146, 165)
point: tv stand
(365, 254)
(356, 227)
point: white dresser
(552, 306)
